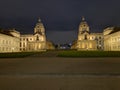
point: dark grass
(63, 53)
(89, 54)
(16, 54)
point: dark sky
(61, 18)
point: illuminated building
(12, 41)
(9, 41)
(36, 41)
(112, 39)
(87, 40)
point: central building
(87, 40)
(36, 41)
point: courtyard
(59, 73)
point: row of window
(3, 49)
(29, 39)
(5, 41)
(91, 38)
(95, 38)
(26, 39)
(116, 39)
(22, 49)
(22, 44)
(116, 47)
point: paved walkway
(54, 73)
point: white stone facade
(87, 40)
(112, 39)
(12, 41)
(36, 41)
(9, 41)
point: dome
(83, 27)
(39, 28)
(83, 22)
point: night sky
(61, 18)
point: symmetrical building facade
(9, 41)
(13, 41)
(87, 40)
(36, 41)
(112, 39)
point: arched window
(85, 36)
(37, 38)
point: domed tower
(39, 36)
(86, 40)
(39, 28)
(83, 27)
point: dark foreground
(53, 73)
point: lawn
(16, 54)
(89, 54)
(62, 53)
